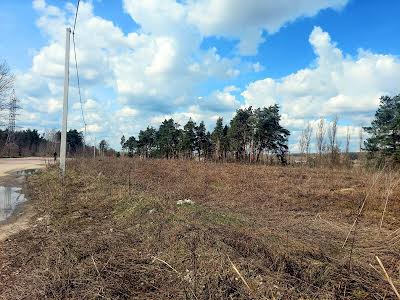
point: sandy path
(8, 166)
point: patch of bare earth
(8, 169)
(11, 165)
(114, 230)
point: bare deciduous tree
(332, 133)
(6, 83)
(302, 143)
(320, 136)
(348, 138)
(307, 135)
(52, 137)
(332, 139)
(361, 138)
(347, 158)
(305, 140)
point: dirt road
(10, 165)
(8, 177)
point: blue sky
(146, 60)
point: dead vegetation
(115, 231)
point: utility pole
(63, 147)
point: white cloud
(336, 85)
(126, 112)
(93, 128)
(39, 4)
(245, 20)
(153, 70)
(221, 101)
(257, 67)
(156, 72)
(236, 19)
(53, 105)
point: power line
(78, 81)
(76, 15)
(77, 69)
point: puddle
(26, 172)
(10, 197)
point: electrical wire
(76, 15)
(77, 69)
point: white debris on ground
(184, 201)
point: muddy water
(10, 197)
(26, 172)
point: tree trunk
(258, 154)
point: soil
(9, 168)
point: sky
(141, 61)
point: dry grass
(254, 232)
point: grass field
(114, 230)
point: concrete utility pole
(63, 148)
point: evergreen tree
(241, 132)
(189, 138)
(225, 143)
(269, 134)
(168, 138)
(74, 140)
(216, 138)
(123, 142)
(385, 129)
(208, 147)
(147, 141)
(250, 132)
(201, 138)
(131, 145)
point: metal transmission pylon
(13, 107)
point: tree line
(30, 142)
(250, 133)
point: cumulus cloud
(153, 70)
(126, 112)
(246, 20)
(338, 84)
(156, 72)
(221, 101)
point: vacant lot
(114, 230)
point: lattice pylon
(13, 107)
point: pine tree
(216, 138)
(270, 135)
(189, 138)
(168, 137)
(201, 138)
(147, 141)
(123, 142)
(225, 143)
(131, 144)
(384, 131)
(241, 131)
